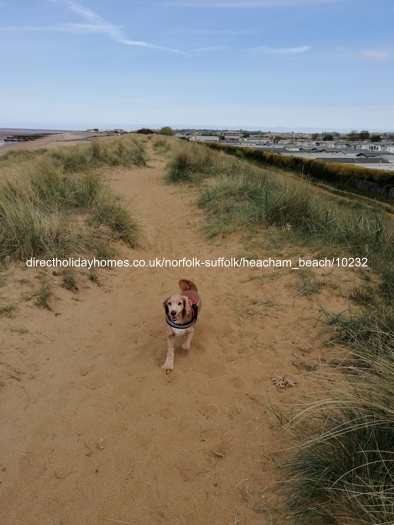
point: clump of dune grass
(20, 156)
(247, 198)
(109, 210)
(55, 188)
(114, 151)
(123, 151)
(192, 164)
(43, 293)
(70, 280)
(342, 470)
(161, 145)
(27, 229)
(7, 310)
(371, 325)
(61, 206)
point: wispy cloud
(282, 50)
(221, 32)
(378, 55)
(211, 49)
(95, 24)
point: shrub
(329, 171)
(166, 130)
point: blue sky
(252, 64)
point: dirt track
(93, 431)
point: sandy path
(93, 431)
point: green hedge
(380, 181)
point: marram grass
(341, 469)
(61, 204)
(344, 471)
(115, 151)
(237, 195)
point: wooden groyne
(25, 138)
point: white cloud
(210, 49)
(282, 50)
(221, 32)
(98, 25)
(376, 54)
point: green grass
(236, 195)
(161, 145)
(344, 468)
(18, 156)
(193, 163)
(43, 293)
(341, 467)
(124, 151)
(307, 282)
(372, 326)
(109, 210)
(70, 280)
(61, 204)
(7, 310)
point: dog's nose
(173, 312)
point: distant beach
(9, 132)
(54, 137)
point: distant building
(204, 138)
(231, 136)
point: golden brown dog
(181, 315)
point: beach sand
(56, 139)
(92, 430)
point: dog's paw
(167, 368)
(186, 346)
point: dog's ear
(165, 305)
(187, 309)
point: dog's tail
(185, 285)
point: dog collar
(185, 325)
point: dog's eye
(180, 303)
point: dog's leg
(169, 364)
(188, 338)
